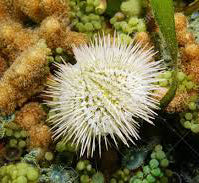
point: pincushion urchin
(110, 88)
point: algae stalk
(165, 20)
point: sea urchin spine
(105, 93)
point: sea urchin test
(104, 95)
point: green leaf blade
(164, 14)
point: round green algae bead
(24, 133)
(126, 171)
(131, 8)
(9, 132)
(182, 88)
(32, 174)
(85, 19)
(94, 17)
(89, 8)
(113, 180)
(59, 50)
(164, 83)
(195, 128)
(70, 147)
(49, 156)
(141, 27)
(22, 166)
(192, 106)
(150, 178)
(153, 155)
(89, 27)
(96, 25)
(160, 155)
(58, 58)
(10, 168)
(145, 181)
(96, 3)
(164, 163)
(180, 76)
(5, 179)
(80, 166)
(158, 147)
(117, 25)
(136, 181)
(113, 20)
(119, 16)
(133, 21)
(189, 85)
(22, 172)
(84, 179)
(22, 144)
(126, 179)
(168, 172)
(14, 174)
(50, 59)
(140, 175)
(21, 179)
(153, 163)
(3, 170)
(156, 172)
(86, 162)
(146, 170)
(72, 3)
(89, 167)
(190, 77)
(17, 134)
(187, 124)
(167, 74)
(120, 173)
(188, 116)
(60, 147)
(13, 142)
(90, 2)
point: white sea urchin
(110, 87)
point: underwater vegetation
(86, 84)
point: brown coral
(40, 136)
(3, 10)
(180, 21)
(144, 38)
(3, 66)
(23, 79)
(184, 37)
(178, 104)
(30, 115)
(27, 74)
(9, 8)
(37, 10)
(57, 34)
(31, 8)
(189, 49)
(15, 39)
(58, 7)
(192, 69)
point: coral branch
(24, 78)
